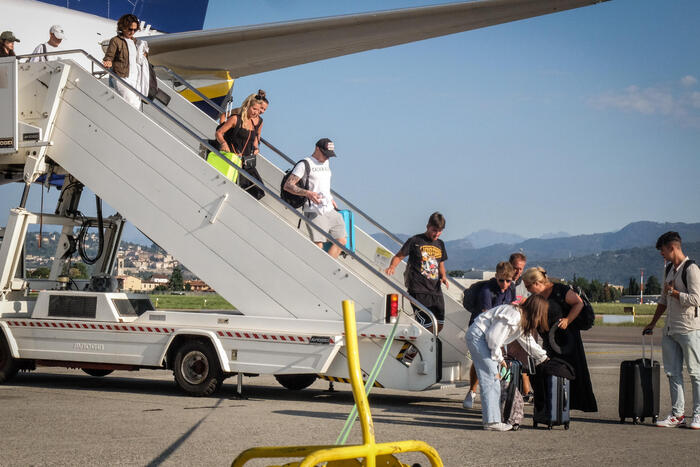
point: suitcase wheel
(641, 420)
(654, 419)
(516, 427)
(566, 426)
(549, 427)
(635, 421)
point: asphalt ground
(64, 417)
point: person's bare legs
(334, 251)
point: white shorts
(332, 222)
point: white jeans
(676, 349)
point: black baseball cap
(326, 146)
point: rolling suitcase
(639, 387)
(512, 403)
(552, 407)
(349, 219)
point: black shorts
(433, 302)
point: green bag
(222, 166)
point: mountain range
(609, 256)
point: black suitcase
(640, 381)
(552, 407)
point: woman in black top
(564, 307)
(240, 134)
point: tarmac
(65, 417)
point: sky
(581, 121)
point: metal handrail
(356, 209)
(184, 82)
(250, 178)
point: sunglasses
(133, 29)
(504, 280)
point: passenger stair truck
(59, 119)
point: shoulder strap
(684, 273)
(44, 58)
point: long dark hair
(533, 315)
(125, 21)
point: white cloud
(663, 101)
(689, 80)
(645, 101)
(695, 99)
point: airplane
(211, 59)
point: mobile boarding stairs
(60, 119)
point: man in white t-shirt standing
(56, 36)
(320, 208)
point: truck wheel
(197, 369)
(8, 364)
(97, 373)
(296, 382)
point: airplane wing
(247, 50)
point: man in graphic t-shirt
(425, 270)
(321, 207)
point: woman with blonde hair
(564, 306)
(493, 329)
(240, 134)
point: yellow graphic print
(430, 256)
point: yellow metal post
(347, 455)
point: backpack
(296, 201)
(586, 318)
(684, 276)
(471, 297)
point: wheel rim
(194, 367)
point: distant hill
(637, 234)
(484, 238)
(615, 267)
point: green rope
(350, 421)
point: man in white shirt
(56, 36)
(681, 334)
(320, 208)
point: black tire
(197, 370)
(534, 424)
(296, 382)
(97, 373)
(8, 364)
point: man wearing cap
(56, 35)
(321, 207)
(7, 44)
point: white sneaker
(695, 424)
(672, 421)
(468, 401)
(498, 426)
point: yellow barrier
(346, 456)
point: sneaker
(529, 397)
(498, 427)
(695, 424)
(672, 421)
(468, 402)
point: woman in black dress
(240, 134)
(564, 307)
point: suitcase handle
(651, 358)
